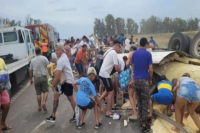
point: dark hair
(186, 75)
(133, 48)
(37, 51)
(84, 45)
(72, 37)
(143, 41)
(43, 40)
(151, 37)
(174, 81)
(116, 42)
(77, 39)
(162, 77)
(68, 42)
(84, 37)
(125, 58)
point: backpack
(99, 62)
(4, 80)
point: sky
(76, 17)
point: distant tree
(31, 21)
(110, 25)
(120, 25)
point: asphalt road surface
(25, 118)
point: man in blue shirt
(83, 101)
(153, 42)
(121, 38)
(105, 40)
(143, 73)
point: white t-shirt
(81, 44)
(121, 63)
(88, 45)
(63, 64)
(53, 55)
(109, 61)
(128, 46)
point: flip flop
(44, 107)
(6, 128)
(39, 110)
(110, 115)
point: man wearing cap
(81, 60)
(143, 72)
(110, 62)
(63, 67)
(84, 102)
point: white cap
(91, 70)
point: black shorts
(89, 106)
(107, 82)
(67, 89)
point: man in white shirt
(83, 41)
(127, 46)
(63, 66)
(110, 62)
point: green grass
(163, 39)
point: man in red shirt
(81, 60)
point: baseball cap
(60, 46)
(91, 70)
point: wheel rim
(176, 45)
(197, 47)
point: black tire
(179, 42)
(195, 46)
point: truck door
(29, 44)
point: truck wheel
(195, 46)
(179, 42)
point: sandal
(6, 128)
(44, 107)
(110, 115)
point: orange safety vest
(44, 47)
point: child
(83, 101)
(164, 95)
(188, 93)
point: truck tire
(179, 42)
(195, 46)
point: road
(24, 117)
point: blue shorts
(79, 68)
(164, 97)
(189, 91)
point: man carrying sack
(62, 82)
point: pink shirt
(68, 51)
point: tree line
(114, 26)
(28, 21)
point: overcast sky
(76, 17)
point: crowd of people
(61, 63)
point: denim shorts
(79, 68)
(189, 91)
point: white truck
(17, 49)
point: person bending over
(188, 93)
(164, 95)
(83, 101)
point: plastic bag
(124, 79)
(4, 80)
(78, 115)
(116, 116)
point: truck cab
(17, 49)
